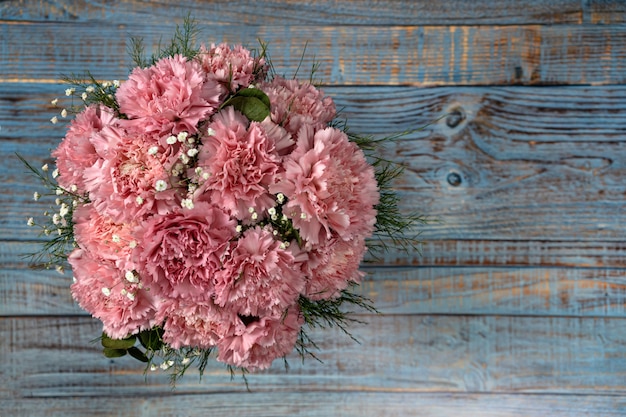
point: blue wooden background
(516, 305)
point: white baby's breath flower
(55, 173)
(64, 210)
(56, 219)
(116, 83)
(54, 102)
(238, 228)
(192, 152)
(36, 196)
(44, 168)
(187, 203)
(115, 238)
(130, 296)
(280, 197)
(185, 361)
(160, 185)
(132, 244)
(69, 91)
(130, 276)
(153, 150)
(139, 200)
(254, 216)
(31, 221)
(64, 113)
(73, 188)
(210, 132)
(106, 84)
(59, 191)
(84, 96)
(106, 291)
(54, 120)
(271, 211)
(171, 140)
(182, 136)
(90, 89)
(153, 367)
(60, 269)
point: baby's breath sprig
(58, 226)
(92, 91)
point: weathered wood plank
(54, 357)
(515, 164)
(322, 404)
(299, 12)
(374, 55)
(589, 292)
(605, 11)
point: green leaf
(251, 107)
(256, 93)
(124, 344)
(138, 354)
(152, 339)
(113, 353)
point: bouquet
(211, 208)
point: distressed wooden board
(322, 404)
(533, 164)
(299, 12)
(54, 357)
(364, 55)
(589, 292)
(605, 11)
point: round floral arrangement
(208, 206)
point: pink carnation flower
(232, 67)
(254, 346)
(330, 187)
(180, 252)
(242, 162)
(333, 266)
(295, 104)
(171, 96)
(103, 290)
(194, 324)
(259, 277)
(100, 235)
(128, 182)
(76, 152)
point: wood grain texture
(53, 357)
(515, 305)
(363, 55)
(537, 291)
(538, 165)
(300, 12)
(321, 403)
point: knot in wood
(455, 117)
(454, 179)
